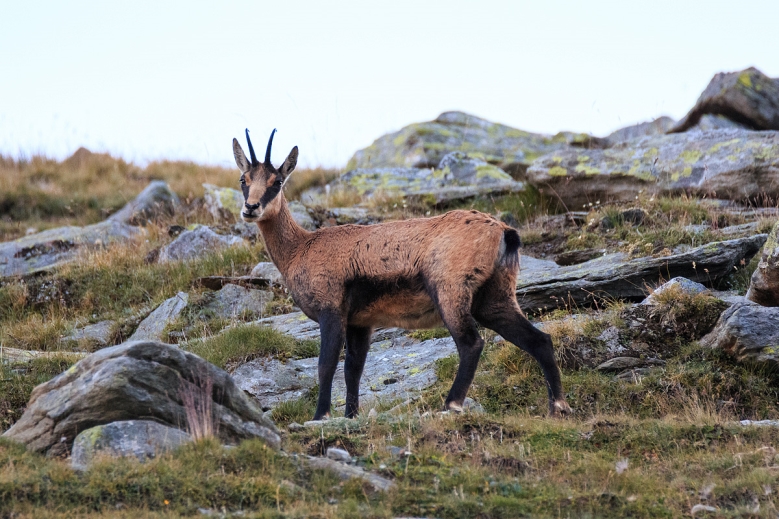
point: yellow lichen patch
(745, 79)
(690, 156)
(722, 144)
(651, 153)
(587, 170)
(558, 171)
(582, 158)
(488, 171)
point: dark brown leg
(357, 344)
(331, 326)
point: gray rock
(140, 439)
(612, 340)
(196, 242)
(748, 97)
(743, 229)
(622, 363)
(156, 201)
(234, 300)
(657, 127)
(423, 145)
(337, 454)
(764, 285)
(716, 122)
(733, 164)
(683, 284)
(472, 406)
(268, 271)
(99, 334)
(17, 356)
(395, 369)
(55, 247)
(135, 380)
(153, 327)
(344, 471)
(749, 332)
(295, 324)
(575, 257)
(300, 215)
(616, 276)
(760, 423)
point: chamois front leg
(331, 327)
(357, 344)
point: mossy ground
(654, 446)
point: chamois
(457, 269)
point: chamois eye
(243, 181)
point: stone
(136, 380)
(153, 327)
(234, 300)
(296, 324)
(716, 122)
(345, 472)
(581, 140)
(423, 145)
(677, 283)
(268, 271)
(731, 164)
(395, 368)
(616, 276)
(749, 332)
(748, 97)
(140, 439)
(156, 201)
(196, 242)
(657, 127)
(764, 285)
(622, 363)
(55, 247)
(99, 334)
(337, 454)
(578, 256)
(225, 204)
(17, 356)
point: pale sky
(178, 80)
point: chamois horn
(251, 149)
(270, 143)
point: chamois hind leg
(495, 307)
(331, 326)
(357, 344)
(454, 307)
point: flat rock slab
(615, 276)
(733, 164)
(136, 380)
(345, 471)
(395, 368)
(764, 285)
(99, 334)
(196, 242)
(237, 301)
(140, 439)
(16, 356)
(153, 327)
(55, 247)
(749, 332)
(296, 324)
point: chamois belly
(403, 309)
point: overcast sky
(178, 80)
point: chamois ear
(289, 163)
(240, 157)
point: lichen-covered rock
(55, 247)
(156, 201)
(153, 327)
(136, 380)
(733, 164)
(748, 97)
(140, 439)
(764, 285)
(395, 368)
(301, 215)
(657, 127)
(749, 332)
(237, 301)
(616, 276)
(98, 334)
(677, 283)
(268, 271)
(196, 242)
(423, 145)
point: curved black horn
(270, 143)
(251, 149)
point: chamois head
(260, 181)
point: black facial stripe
(270, 194)
(245, 190)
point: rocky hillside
(153, 362)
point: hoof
(559, 409)
(322, 417)
(453, 407)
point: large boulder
(140, 439)
(458, 176)
(748, 97)
(137, 380)
(156, 201)
(616, 276)
(55, 247)
(749, 332)
(764, 286)
(152, 328)
(657, 127)
(423, 145)
(733, 164)
(234, 300)
(267, 271)
(196, 242)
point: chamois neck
(282, 236)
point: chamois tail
(511, 245)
